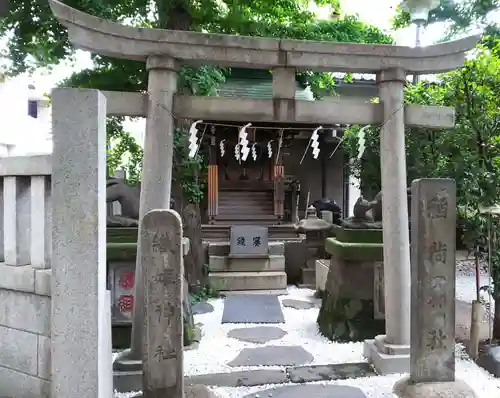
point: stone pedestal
(405, 388)
(395, 228)
(347, 309)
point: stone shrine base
(405, 388)
(387, 358)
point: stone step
(223, 248)
(235, 264)
(267, 280)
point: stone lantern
(316, 230)
(419, 13)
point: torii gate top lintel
(115, 40)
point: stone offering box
(353, 301)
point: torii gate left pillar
(156, 179)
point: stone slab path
(272, 356)
(252, 308)
(201, 308)
(297, 304)
(257, 334)
(312, 390)
(298, 374)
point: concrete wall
(25, 331)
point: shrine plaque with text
(249, 240)
(433, 224)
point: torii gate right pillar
(391, 353)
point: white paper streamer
(243, 143)
(222, 147)
(193, 139)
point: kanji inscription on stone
(248, 240)
(433, 217)
(161, 236)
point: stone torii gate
(164, 50)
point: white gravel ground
(216, 349)
(466, 283)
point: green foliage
(459, 16)
(348, 319)
(468, 153)
(36, 39)
(188, 171)
(204, 293)
(123, 151)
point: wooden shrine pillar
(279, 187)
(213, 180)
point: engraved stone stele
(161, 239)
(247, 240)
(432, 351)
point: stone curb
(132, 381)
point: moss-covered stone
(343, 234)
(188, 335)
(121, 251)
(354, 250)
(348, 319)
(122, 235)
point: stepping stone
(271, 356)
(310, 390)
(257, 334)
(297, 304)
(201, 308)
(246, 378)
(306, 374)
(252, 308)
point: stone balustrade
(25, 285)
(26, 211)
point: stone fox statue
(129, 198)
